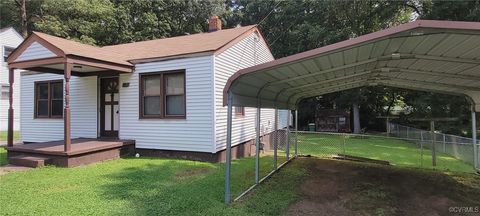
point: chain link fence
(458, 147)
(383, 150)
(277, 147)
(403, 147)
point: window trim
(163, 95)
(3, 52)
(36, 99)
(7, 96)
(240, 114)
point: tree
(107, 22)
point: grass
(148, 186)
(3, 135)
(397, 152)
(145, 186)
(142, 186)
(3, 156)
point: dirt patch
(12, 168)
(191, 173)
(349, 188)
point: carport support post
(287, 147)
(474, 139)
(434, 152)
(228, 159)
(257, 145)
(66, 110)
(296, 133)
(10, 108)
(275, 141)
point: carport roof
(426, 55)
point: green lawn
(152, 186)
(3, 135)
(397, 152)
(142, 186)
(3, 156)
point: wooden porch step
(28, 161)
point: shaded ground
(350, 188)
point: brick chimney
(214, 24)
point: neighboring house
(171, 98)
(9, 40)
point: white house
(165, 94)
(9, 40)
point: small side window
(5, 92)
(6, 52)
(240, 111)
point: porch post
(10, 108)
(474, 139)
(66, 110)
(228, 161)
(257, 145)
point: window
(5, 92)
(49, 99)
(6, 52)
(162, 95)
(240, 111)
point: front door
(109, 113)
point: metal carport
(425, 55)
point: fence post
(421, 148)
(444, 144)
(474, 139)
(434, 152)
(275, 141)
(287, 147)
(408, 137)
(344, 146)
(296, 132)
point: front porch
(52, 100)
(83, 151)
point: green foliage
(297, 26)
(452, 10)
(107, 22)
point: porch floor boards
(78, 146)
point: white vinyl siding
(35, 51)
(239, 56)
(191, 134)
(9, 38)
(83, 106)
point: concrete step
(28, 161)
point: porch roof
(426, 55)
(42, 52)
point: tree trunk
(356, 119)
(23, 13)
